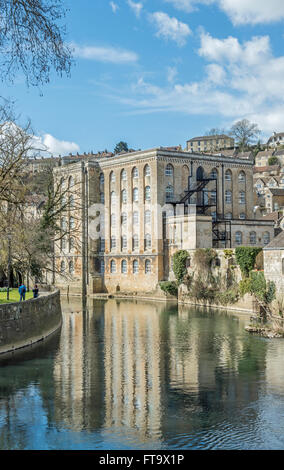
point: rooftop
(277, 242)
(210, 137)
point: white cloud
(57, 147)
(104, 54)
(171, 74)
(188, 5)
(253, 11)
(136, 7)
(114, 7)
(170, 28)
(216, 74)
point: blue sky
(158, 72)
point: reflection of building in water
(132, 366)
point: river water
(144, 375)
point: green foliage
(4, 289)
(200, 290)
(228, 254)
(179, 265)
(273, 161)
(228, 297)
(245, 286)
(245, 257)
(169, 287)
(256, 284)
(121, 147)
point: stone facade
(210, 143)
(129, 212)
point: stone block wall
(25, 323)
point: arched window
(112, 198)
(124, 242)
(266, 238)
(169, 170)
(112, 243)
(102, 266)
(124, 266)
(135, 218)
(147, 171)
(147, 266)
(135, 194)
(252, 238)
(62, 266)
(102, 178)
(72, 223)
(200, 174)
(213, 197)
(71, 182)
(228, 216)
(71, 202)
(135, 267)
(242, 177)
(112, 177)
(135, 242)
(228, 197)
(147, 193)
(147, 217)
(124, 196)
(113, 266)
(242, 197)
(102, 245)
(123, 218)
(71, 267)
(169, 193)
(62, 182)
(71, 243)
(239, 238)
(214, 174)
(63, 243)
(102, 198)
(228, 175)
(123, 175)
(135, 173)
(113, 220)
(63, 224)
(242, 216)
(148, 241)
(214, 216)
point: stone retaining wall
(25, 323)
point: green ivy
(169, 287)
(256, 284)
(179, 265)
(245, 257)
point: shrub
(169, 287)
(203, 258)
(179, 265)
(245, 257)
(264, 291)
(273, 161)
(245, 286)
(228, 297)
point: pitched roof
(277, 242)
(278, 153)
(246, 155)
(210, 137)
(276, 192)
(279, 134)
(273, 216)
(262, 169)
(265, 153)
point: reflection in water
(133, 374)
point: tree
(32, 40)
(273, 161)
(245, 133)
(216, 131)
(121, 147)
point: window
(200, 174)
(147, 171)
(71, 202)
(70, 182)
(102, 245)
(148, 241)
(242, 197)
(169, 170)
(135, 172)
(72, 223)
(239, 238)
(169, 193)
(214, 174)
(213, 197)
(71, 267)
(252, 238)
(102, 198)
(102, 178)
(228, 216)
(124, 266)
(147, 193)
(71, 243)
(147, 217)
(124, 219)
(135, 267)
(113, 266)
(62, 267)
(113, 220)
(135, 218)
(242, 177)
(102, 266)
(112, 177)
(112, 198)
(124, 242)
(266, 238)
(135, 194)
(112, 243)
(228, 175)
(124, 196)
(228, 197)
(135, 242)
(63, 243)
(123, 175)
(63, 224)
(214, 216)
(147, 266)
(242, 216)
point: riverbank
(23, 324)
(14, 296)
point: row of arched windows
(124, 267)
(123, 174)
(228, 175)
(252, 238)
(135, 218)
(135, 195)
(228, 197)
(70, 182)
(71, 269)
(63, 243)
(64, 223)
(135, 242)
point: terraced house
(135, 210)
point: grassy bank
(14, 296)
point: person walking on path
(22, 292)
(35, 291)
